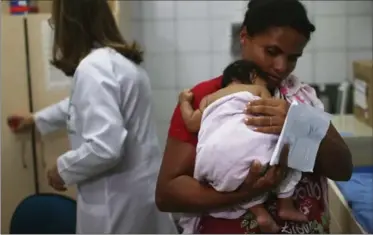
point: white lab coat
(115, 156)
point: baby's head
(241, 71)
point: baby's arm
(191, 117)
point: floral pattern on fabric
(309, 199)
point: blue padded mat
(358, 192)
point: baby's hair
(241, 70)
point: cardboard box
(363, 90)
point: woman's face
(275, 51)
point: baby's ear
(253, 76)
(235, 80)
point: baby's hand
(185, 96)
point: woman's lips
(274, 79)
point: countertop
(358, 137)
(349, 126)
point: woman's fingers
(269, 115)
(283, 161)
(261, 110)
(14, 122)
(19, 123)
(264, 121)
(273, 176)
(265, 102)
(265, 124)
(253, 177)
(276, 130)
(268, 181)
(273, 107)
(255, 172)
(282, 167)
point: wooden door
(48, 86)
(17, 170)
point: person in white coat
(115, 156)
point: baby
(227, 147)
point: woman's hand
(19, 123)
(55, 180)
(270, 115)
(264, 182)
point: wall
(189, 41)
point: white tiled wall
(188, 41)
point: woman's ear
(243, 36)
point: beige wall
(125, 19)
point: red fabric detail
(18, 9)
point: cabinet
(17, 169)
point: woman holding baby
(273, 36)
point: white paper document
(54, 77)
(304, 128)
(360, 94)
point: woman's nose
(280, 66)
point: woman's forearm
(185, 194)
(178, 191)
(52, 117)
(334, 159)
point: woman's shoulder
(105, 57)
(97, 59)
(293, 88)
(292, 84)
(111, 64)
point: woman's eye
(293, 58)
(272, 52)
